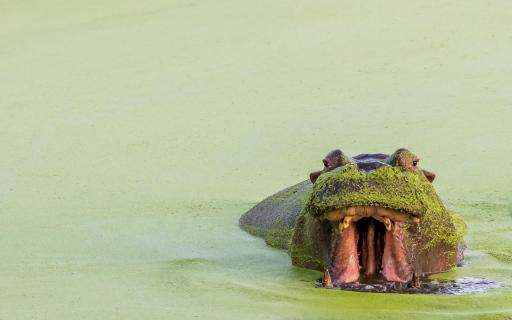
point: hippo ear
(429, 175)
(314, 175)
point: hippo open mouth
(369, 244)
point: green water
(133, 135)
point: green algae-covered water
(135, 133)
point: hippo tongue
(394, 259)
(370, 254)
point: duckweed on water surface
(114, 114)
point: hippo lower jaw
(370, 242)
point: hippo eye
(325, 163)
(415, 163)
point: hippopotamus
(371, 217)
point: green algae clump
(387, 187)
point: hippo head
(375, 217)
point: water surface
(134, 134)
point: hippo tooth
(416, 280)
(387, 223)
(326, 280)
(346, 221)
